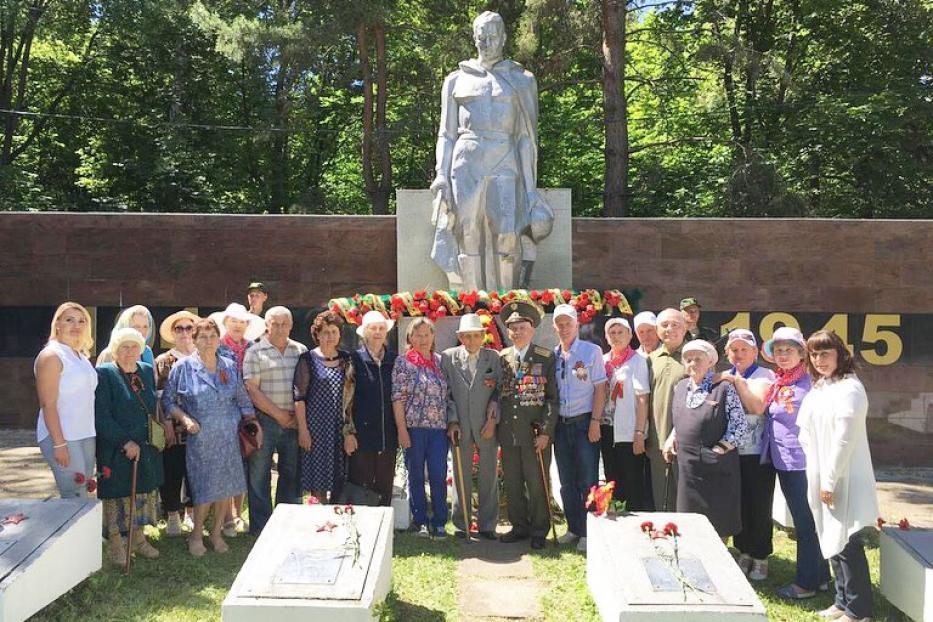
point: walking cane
(667, 486)
(132, 519)
(547, 487)
(463, 503)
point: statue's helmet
(541, 221)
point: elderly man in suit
(529, 403)
(472, 379)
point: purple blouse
(423, 393)
(781, 443)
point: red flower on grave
(903, 524)
(79, 478)
(312, 500)
(600, 497)
(91, 485)
(647, 526)
(450, 481)
(13, 519)
(670, 529)
(105, 472)
(348, 509)
(881, 522)
(328, 527)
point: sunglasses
(186, 328)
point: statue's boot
(471, 269)
(508, 271)
(524, 276)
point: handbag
(156, 432)
(247, 431)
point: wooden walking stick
(547, 486)
(132, 518)
(458, 456)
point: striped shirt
(273, 370)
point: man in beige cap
(472, 378)
(666, 371)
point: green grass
(178, 587)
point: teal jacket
(121, 417)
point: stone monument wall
(871, 277)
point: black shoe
(512, 536)
(488, 535)
(461, 535)
(537, 542)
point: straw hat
(165, 329)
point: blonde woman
(139, 318)
(65, 384)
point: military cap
(518, 311)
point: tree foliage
(647, 107)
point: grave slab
(300, 570)
(630, 578)
(56, 547)
(415, 235)
(907, 570)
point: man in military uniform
(528, 398)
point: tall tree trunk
(377, 162)
(615, 108)
(384, 188)
(278, 199)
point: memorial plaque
(315, 566)
(302, 568)
(633, 577)
(663, 577)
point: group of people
(334, 417)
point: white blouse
(835, 440)
(76, 388)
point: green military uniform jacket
(120, 417)
(527, 395)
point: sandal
(196, 547)
(792, 592)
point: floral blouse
(422, 391)
(736, 425)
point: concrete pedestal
(55, 548)
(907, 570)
(298, 571)
(629, 580)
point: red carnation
(903, 524)
(442, 311)
(567, 294)
(535, 294)
(423, 306)
(91, 485)
(79, 478)
(670, 529)
(105, 472)
(348, 509)
(420, 294)
(493, 294)
(450, 481)
(496, 306)
(312, 500)
(881, 522)
(647, 526)
(547, 297)
(475, 458)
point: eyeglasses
(186, 328)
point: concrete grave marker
(630, 577)
(298, 571)
(56, 547)
(907, 570)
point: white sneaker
(423, 532)
(568, 538)
(831, 613)
(187, 523)
(173, 528)
(758, 570)
(229, 529)
(581, 544)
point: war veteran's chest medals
(528, 383)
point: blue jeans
(259, 473)
(428, 446)
(80, 460)
(812, 569)
(578, 468)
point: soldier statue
(488, 214)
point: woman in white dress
(840, 478)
